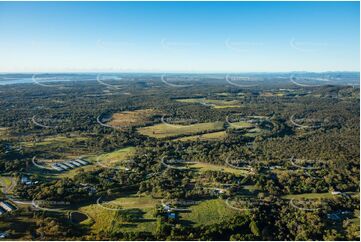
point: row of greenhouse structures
(68, 165)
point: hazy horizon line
(162, 72)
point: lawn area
(326, 195)
(131, 118)
(71, 173)
(241, 125)
(205, 137)
(104, 219)
(4, 132)
(121, 154)
(172, 130)
(6, 184)
(54, 141)
(212, 102)
(253, 132)
(212, 167)
(223, 94)
(208, 212)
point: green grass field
(104, 219)
(241, 125)
(6, 184)
(326, 195)
(212, 102)
(208, 212)
(4, 133)
(121, 154)
(205, 137)
(54, 141)
(212, 167)
(170, 130)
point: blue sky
(179, 36)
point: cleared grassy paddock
(212, 167)
(54, 141)
(121, 154)
(131, 118)
(208, 212)
(169, 130)
(212, 102)
(101, 218)
(326, 195)
(241, 125)
(4, 132)
(205, 137)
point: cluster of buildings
(27, 181)
(6, 207)
(338, 215)
(68, 165)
